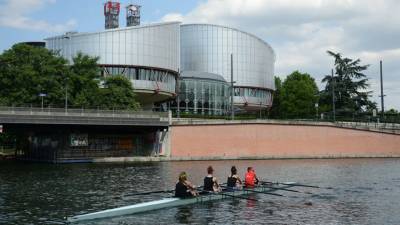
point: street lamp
(42, 95)
(66, 94)
(333, 98)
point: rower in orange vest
(250, 179)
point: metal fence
(49, 111)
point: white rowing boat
(173, 202)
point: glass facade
(144, 78)
(155, 45)
(208, 48)
(203, 96)
(147, 55)
(151, 56)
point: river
(354, 191)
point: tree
(299, 94)
(26, 71)
(118, 94)
(349, 84)
(83, 81)
(276, 104)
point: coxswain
(250, 179)
(184, 188)
(210, 182)
(234, 182)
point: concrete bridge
(61, 135)
(57, 116)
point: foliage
(118, 93)
(26, 71)
(276, 104)
(298, 96)
(84, 81)
(349, 84)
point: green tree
(26, 71)
(117, 93)
(350, 84)
(276, 104)
(83, 81)
(299, 94)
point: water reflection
(365, 191)
(184, 214)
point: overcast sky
(299, 31)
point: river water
(355, 191)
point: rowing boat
(173, 202)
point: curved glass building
(152, 57)
(208, 48)
(148, 55)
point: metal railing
(153, 85)
(369, 125)
(82, 112)
(393, 128)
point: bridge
(59, 116)
(59, 135)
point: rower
(250, 179)
(210, 182)
(234, 182)
(184, 188)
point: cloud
(172, 17)
(15, 14)
(302, 31)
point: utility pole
(178, 113)
(66, 97)
(333, 98)
(232, 111)
(382, 96)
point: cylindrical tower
(133, 15)
(208, 48)
(111, 13)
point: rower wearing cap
(184, 188)
(250, 179)
(210, 182)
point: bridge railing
(48, 111)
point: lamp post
(333, 98)
(42, 95)
(232, 110)
(66, 96)
(382, 95)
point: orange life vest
(249, 179)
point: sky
(300, 31)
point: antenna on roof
(111, 12)
(132, 15)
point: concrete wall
(229, 141)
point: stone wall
(253, 141)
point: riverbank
(280, 140)
(222, 158)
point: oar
(237, 196)
(230, 195)
(263, 192)
(290, 184)
(151, 192)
